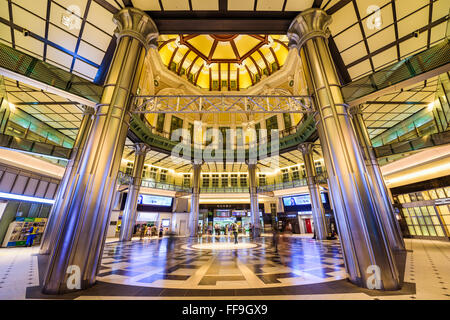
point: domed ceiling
(221, 62)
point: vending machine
(18, 231)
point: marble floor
(215, 268)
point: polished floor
(216, 268)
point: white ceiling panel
(29, 21)
(240, 5)
(175, 4)
(413, 22)
(269, 5)
(381, 39)
(343, 19)
(294, 5)
(90, 52)
(147, 5)
(205, 5)
(62, 38)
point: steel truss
(222, 104)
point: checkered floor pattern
(174, 263)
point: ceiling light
(206, 64)
(430, 106)
(12, 106)
(177, 42)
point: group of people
(224, 229)
(149, 231)
(227, 229)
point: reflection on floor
(177, 263)
(173, 268)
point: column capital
(306, 147)
(250, 162)
(141, 148)
(197, 162)
(309, 24)
(88, 110)
(135, 23)
(355, 110)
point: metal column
(130, 210)
(381, 194)
(318, 212)
(75, 261)
(254, 207)
(367, 254)
(195, 199)
(57, 214)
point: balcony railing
(225, 190)
(164, 186)
(321, 179)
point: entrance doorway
(308, 225)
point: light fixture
(12, 106)
(12, 196)
(430, 106)
(206, 64)
(177, 42)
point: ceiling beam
(397, 42)
(396, 102)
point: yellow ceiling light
(223, 62)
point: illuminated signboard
(146, 199)
(239, 213)
(222, 213)
(300, 200)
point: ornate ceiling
(223, 62)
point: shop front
(218, 219)
(297, 215)
(152, 211)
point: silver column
(58, 209)
(254, 207)
(379, 188)
(195, 199)
(367, 254)
(75, 261)
(318, 212)
(130, 210)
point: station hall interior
(225, 149)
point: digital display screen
(222, 213)
(239, 213)
(146, 199)
(300, 200)
(165, 223)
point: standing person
(251, 229)
(142, 232)
(32, 235)
(235, 232)
(275, 238)
(289, 227)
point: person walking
(275, 238)
(235, 232)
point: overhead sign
(146, 199)
(300, 200)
